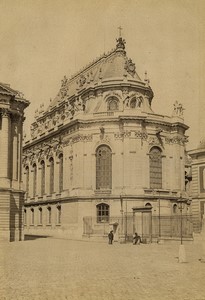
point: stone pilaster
(5, 153)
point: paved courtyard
(66, 269)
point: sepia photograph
(102, 150)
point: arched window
(27, 180)
(155, 162)
(175, 209)
(148, 205)
(103, 167)
(40, 215)
(133, 103)
(103, 211)
(34, 179)
(42, 177)
(113, 104)
(49, 215)
(58, 214)
(60, 172)
(51, 175)
(25, 217)
(32, 216)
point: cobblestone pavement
(64, 269)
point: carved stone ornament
(41, 155)
(5, 112)
(153, 141)
(130, 67)
(82, 80)
(141, 135)
(120, 43)
(176, 140)
(64, 88)
(19, 94)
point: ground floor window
(103, 213)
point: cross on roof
(120, 30)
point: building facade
(99, 158)
(198, 185)
(198, 164)
(12, 105)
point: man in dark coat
(110, 237)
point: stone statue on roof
(120, 43)
(178, 109)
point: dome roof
(113, 66)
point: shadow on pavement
(29, 237)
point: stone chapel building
(99, 158)
(12, 105)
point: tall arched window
(60, 172)
(175, 209)
(103, 167)
(49, 215)
(32, 216)
(113, 103)
(40, 215)
(58, 214)
(51, 175)
(103, 212)
(42, 177)
(25, 217)
(34, 179)
(133, 103)
(27, 180)
(155, 161)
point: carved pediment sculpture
(130, 67)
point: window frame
(155, 167)
(103, 168)
(102, 213)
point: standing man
(110, 237)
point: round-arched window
(113, 104)
(133, 103)
(103, 167)
(155, 160)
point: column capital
(5, 112)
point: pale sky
(41, 41)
